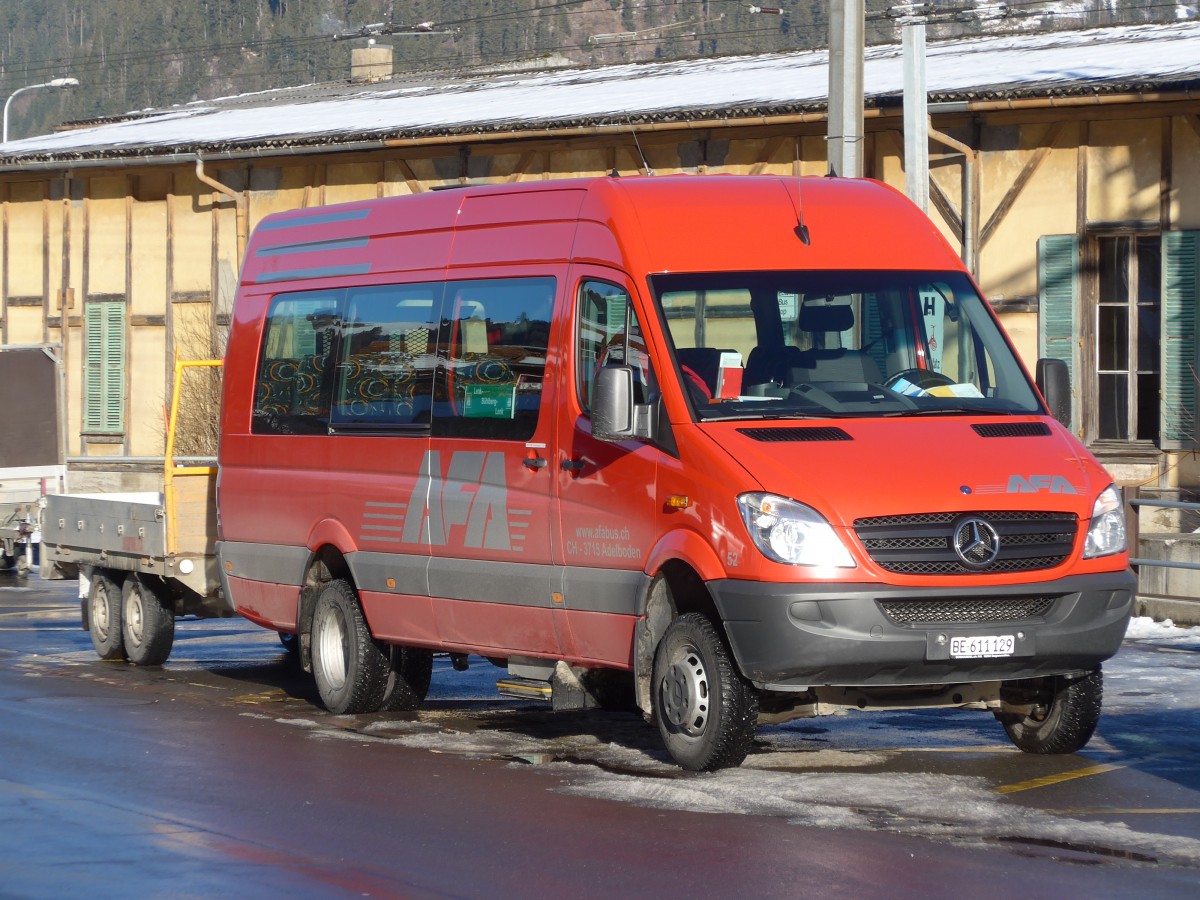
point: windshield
(841, 343)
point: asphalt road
(219, 774)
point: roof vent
(1012, 429)
(780, 435)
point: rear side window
(494, 363)
(388, 356)
(467, 359)
(293, 391)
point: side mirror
(615, 417)
(1054, 381)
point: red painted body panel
(311, 491)
(270, 605)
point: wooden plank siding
(1040, 172)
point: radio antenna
(801, 228)
(638, 144)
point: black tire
(104, 618)
(147, 624)
(706, 712)
(349, 666)
(409, 673)
(1066, 717)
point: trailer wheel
(408, 678)
(104, 617)
(706, 711)
(1065, 715)
(350, 667)
(148, 625)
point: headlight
(1106, 535)
(790, 532)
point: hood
(847, 469)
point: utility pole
(845, 127)
(916, 113)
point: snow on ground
(916, 772)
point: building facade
(1075, 203)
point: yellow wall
(1124, 167)
(170, 244)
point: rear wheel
(147, 624)
(409, 674)
(1065, 712)
(350, 667)
(104, 618)
(706, 711)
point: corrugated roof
(1151, 57)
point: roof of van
(1089, 62)
(666, 223)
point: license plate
(983, 646)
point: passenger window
(385, 373)
(292, 394)
(609, 334)
(493, 362)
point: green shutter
(104, 368)
(1058, 306)
(1180, 299)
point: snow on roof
(1091, 61)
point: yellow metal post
(170, 470)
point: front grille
(923, 543)
(972, 611)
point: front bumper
(790, 637)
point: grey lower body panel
(790, 637)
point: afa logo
(1036, 484)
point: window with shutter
(1058, 301)
(1180, 300)
(104, 368)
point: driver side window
(608, 333)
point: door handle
(534, 462)
(573, 465)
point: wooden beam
(770, 149)
(1027, 172)
(410, 177)
(943, 205)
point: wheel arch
(327, 563)
(676, 588)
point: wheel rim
(135, 617)
(331, 650)
(100, 612)
(684, 692)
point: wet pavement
(219, 773)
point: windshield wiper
(961, 409)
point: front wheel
(706, 711)
(350, 668)
(147, 624)
(1064, 716)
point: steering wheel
(922, 378)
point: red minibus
(746, 448)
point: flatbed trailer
(142, 559)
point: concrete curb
(1180, 610)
